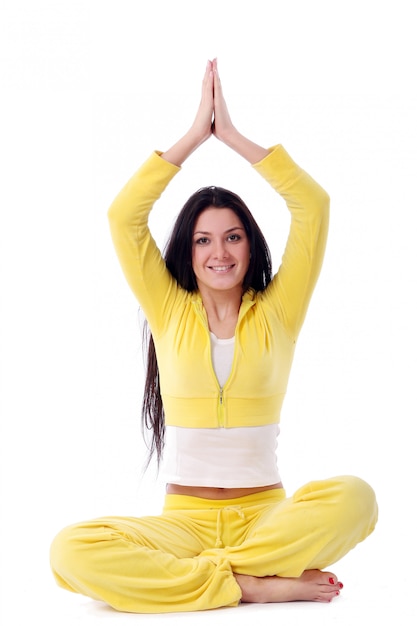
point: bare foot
(313, 585)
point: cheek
(195, 259)
(246, 256)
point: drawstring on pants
(236, 509)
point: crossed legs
(273, 552)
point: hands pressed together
(213, 118)
(212, 115)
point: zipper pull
(220, 412)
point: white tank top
(221, 457)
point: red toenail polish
(331, 581)
(340, 585)
(338, 593)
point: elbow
(323, 204)
(322, 212)
(115, 216)
(112, 221)
(112, 213)
(324, 200)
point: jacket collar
(248, 300)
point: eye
(201, 241)
(234, 237)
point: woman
(223, 336)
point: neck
(222, 303)
(222, 309)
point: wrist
(249, 150)
(194, 137)
(230, 137)
(181, 150)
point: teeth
(221, 268)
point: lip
(221, 269)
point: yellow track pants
(184, 559)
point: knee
(61, 550)
(66, 552)
(347, 501)
(357, 502)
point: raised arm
(308, 204)
(141, 260)
(292, 287)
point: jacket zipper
(221, 408)
(220, 411)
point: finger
(207, 85)
(215, 68)
(216, 78)
(209, 68)
(208, 71)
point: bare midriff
(218, 493)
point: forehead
(215, 218)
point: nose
(220, 249)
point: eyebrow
(229, 230)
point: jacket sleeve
(139, 256)
(292, 287)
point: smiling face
(221, 250)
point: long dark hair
(178, 259)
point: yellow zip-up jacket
(268, 323)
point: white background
(88, 90)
